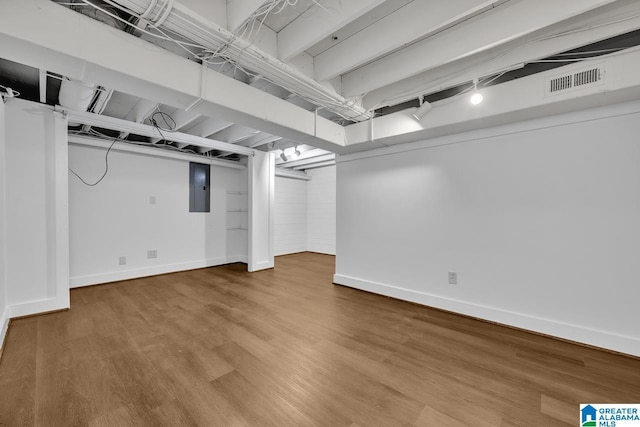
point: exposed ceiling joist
(308, 161)
(497, 26)
(44, 35)
(238, 11)
(112, 123)
(134, 148)
(316, 165)
(318, 22)
(288, 173)
(181, 120)
(208, 127)
(140, 112)
(234, 133)
(553, 40)
(504, 104)
(414, 21)
(259, 140)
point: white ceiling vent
(570, 82)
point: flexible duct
(175, 17)
(76, 95)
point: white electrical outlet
(123, 260)
(453, 278)
(153, 253)
(152, 200)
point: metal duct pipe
(175, 17)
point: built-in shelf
(235, 228)
(237, 193)
(238, 210)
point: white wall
(117, 217)
(539, 219)
(290, 216)
(36, 209)
(4, 313)
(305, 213)
(321, 210)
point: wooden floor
(285, 347)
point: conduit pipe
(177, 18)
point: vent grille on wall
(561, 83)
(575, 80)
(586, 77)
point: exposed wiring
(207, 55)
(170, 126)
(166, 118)
(10, 92)
(106, 168)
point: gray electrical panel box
(199, 181)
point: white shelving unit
(237, 222)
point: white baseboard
(233, 259)
(581, 334)
(263, 265)
(37, 307)
(115, 276)
(4, 327)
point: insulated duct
(76, 95)
(176, 18)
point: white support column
(4, 311)
(261, 197)
(37, 227)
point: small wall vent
(574, 81)
(561, 83)
(587, 77)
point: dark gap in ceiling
(53, 89)
(20, 78)
(593, 50)
(136, 138)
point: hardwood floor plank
(286, 347)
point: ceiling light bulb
(283, 156)
(476, 98)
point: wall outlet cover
(122, 260)
(453, 278)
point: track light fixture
(476, 97)
(296, 153)
(422, 111)
(283, 156)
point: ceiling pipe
(175, 17)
